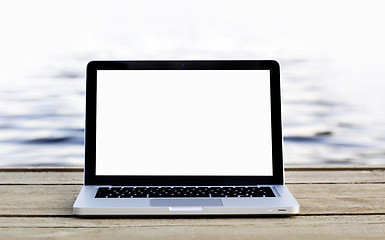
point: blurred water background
(331, 54)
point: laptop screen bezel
(118, 180)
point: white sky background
(337, 46)
(39, 38)
(42, 31)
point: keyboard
(183, 192)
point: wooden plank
(331, 167)
(315, 199)
(334, 167)
(347, 227)
(333, 177)
(24, 200)
(353, 232)
(74, 222)
(336, 203)
(42, 169)
(305, 177)
(41, 178)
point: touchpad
(185, 202)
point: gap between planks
(212, 217)
(287, 168)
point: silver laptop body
(183, 138)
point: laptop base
(87, 205)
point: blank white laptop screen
(186, 122)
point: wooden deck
(336, 203)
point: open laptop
(183, 138)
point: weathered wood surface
(336, 203)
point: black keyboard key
(101, 192)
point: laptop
(183, 138)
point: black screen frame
(118, 180)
